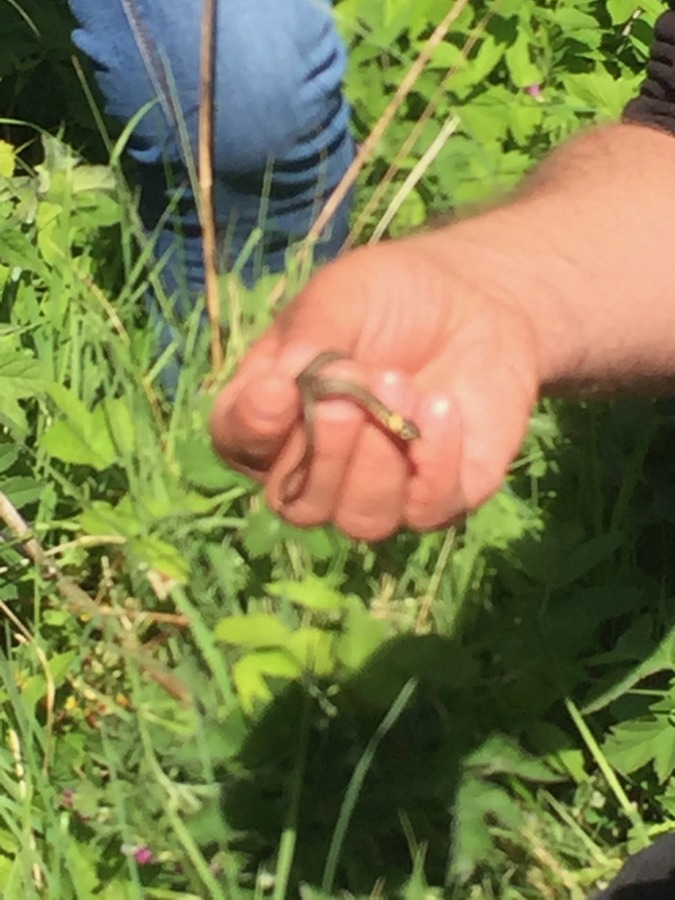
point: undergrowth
(201, 701)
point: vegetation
(198, 701)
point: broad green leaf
(21, 376)
(202, 467)
(664, 756)
(60, 665)
(622, 10)
(9, 453)
(8, 842)
(154, 553)
(311, 593)
(478, 801)
(519, 63)
(83, 437)
(119, 422)
(257, 630)
(501, 755)
(251, 671)
(487, 58)
(635, 743)
(94, 179)
(22, 491)
(50, 231)
(7, 157)
(360, 636)
(600, 92)
(102, 518)
(262, 533)
(313, 649)
(66, 441)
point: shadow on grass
(571, 613)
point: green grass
(258, 711)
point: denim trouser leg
(280, 134)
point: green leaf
(7, 157)
(154, 553)
(601, 92)
(82, 861)
(66, 441)
(21, 376)
(311, 593)
(360, 636)
(9, 453)
(83, 437)
(254, 631)
(22, 491)
(262, 533)
(476, 801)
(621, 10)
(202, 467)
(119, 423)
(501, 755)
(519, 62)
(313, 649)
(633, 744)
(102, 518)
(250, 673)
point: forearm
(587, 252)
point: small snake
(313, 388)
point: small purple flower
(143, 856)
(534, 90)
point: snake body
(312, 387)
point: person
(281, 139)
(566, 287)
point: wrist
(584, 252)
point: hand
(456, 358)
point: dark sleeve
(655, 104)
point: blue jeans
(281, 141)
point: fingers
(359, 471)
(373, 490)
(250, 423)
(435, 495)
(336, 430)
(254, 413)
(359, 476)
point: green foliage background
(259, 711)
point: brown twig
(385, 120)
(81, 603)
(141, 615)
(409, 143)
(69, 590)
(207, 210)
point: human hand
(455, 357)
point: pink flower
(143, 856)
(534, 90)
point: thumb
(252, 417)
